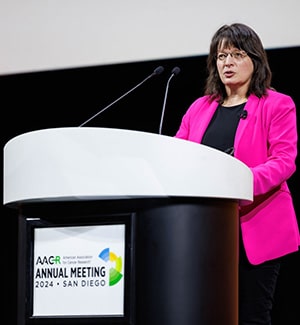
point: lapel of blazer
(251, 107)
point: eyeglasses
(236, 55)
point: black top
(221, 130)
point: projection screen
(40, 35)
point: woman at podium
(241, 114)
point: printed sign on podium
(79, 270)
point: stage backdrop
(68, 97)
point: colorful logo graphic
(115, 274)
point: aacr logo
(48, 260)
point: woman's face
(235, 67)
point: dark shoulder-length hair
(243, 38)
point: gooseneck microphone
(174, 72)
(156, 72)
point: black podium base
(182, 258)
(187, 262)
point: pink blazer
(266, 141)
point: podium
(161, 212)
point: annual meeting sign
(79, 270)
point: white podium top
(64, 164)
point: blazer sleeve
(278, 163)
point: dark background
(67, 98)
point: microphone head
(158, 70)
(175, 71)
(244, 114)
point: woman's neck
(234, 100)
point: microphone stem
(164, 104)
(105, 108)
